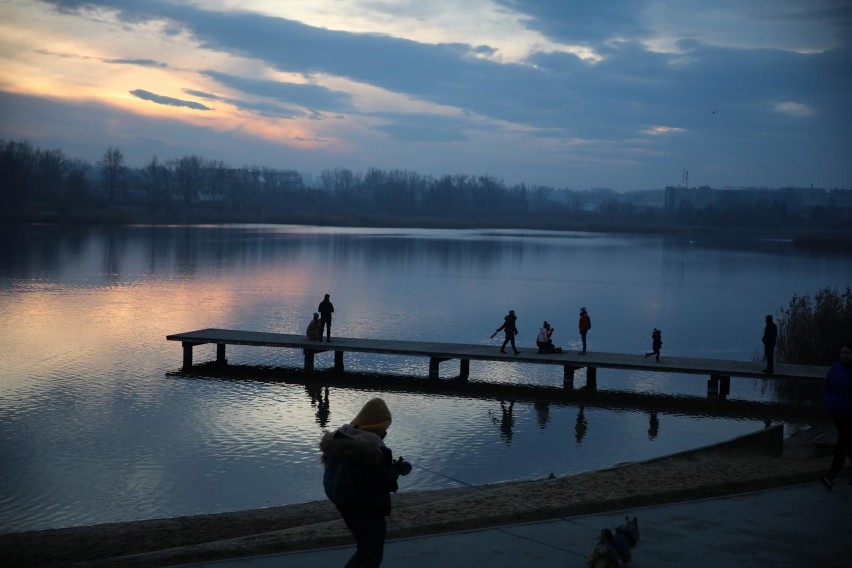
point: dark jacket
(370, 467)
(770, 334)
(509, 326)
(657, 339)
(325, 309)
(585, 323)
(837, 390)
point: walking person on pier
(510, 328)
(585, 325)
(837, 395)
(770, 335)
(325, 309)
(656, 343)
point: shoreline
(753, 462)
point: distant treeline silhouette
(46, 185)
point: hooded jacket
(370, 467)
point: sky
(622, 94)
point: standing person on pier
(325, 309)
(510, 328)
(585, 325)
(837, 395)
(770, 335)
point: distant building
(802, 200)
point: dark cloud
(168, 101)
(580, 21)
(137, 62)
(304, 95)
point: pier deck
(720, 371)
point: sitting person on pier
(544, 341)
(313, 331)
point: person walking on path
(585, 326)
(510, 328)
(770, 335)
(325, 309)
(359, 475)
(313, 331)
(837, 395)
(656, 343)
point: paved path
(798, 526)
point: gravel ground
(719, 470)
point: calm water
(97, 425)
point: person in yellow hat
(359, 475)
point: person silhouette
(837, 394)
(544, 341)
(325, 309)
(656, 343)
(585, 325)
(510, 328)
(770, 335)
(313, 331)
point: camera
(401, 466)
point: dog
(613, 550)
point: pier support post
(433, 366)
(568, 377)
(464, 369)
(592, 378)
(713, 386)
(187, 354)
(718, 386)
(338, 361)
(309, 361)
(220, 354)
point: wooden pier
(719, 371)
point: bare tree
(112, 169)
(188, 175)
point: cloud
(168, 101)
(791, 108)
(305, 95)
(658, 130)
(137, 62)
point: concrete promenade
(798, 526)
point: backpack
(337, 482)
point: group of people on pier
(544, 339)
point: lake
(97, 424)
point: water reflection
(580, 426)
(319, 400)
(653, 425)
(507, 420)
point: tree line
(35, 179)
